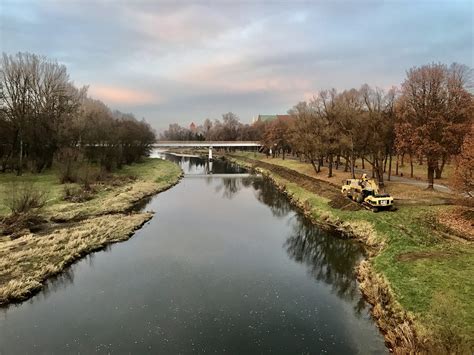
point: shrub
(88, 175)
(25, 197)
(69, 162)
(74, 193)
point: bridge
(205, 144)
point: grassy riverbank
(71, 230)
(420, 272)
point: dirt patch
(319, 187)
(17, 225)
(412, 256)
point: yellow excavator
(366, 192)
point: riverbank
(69, 230)
(418, 275)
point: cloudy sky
(183, 61)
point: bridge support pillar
(210, 153)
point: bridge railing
(207, 144)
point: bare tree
(327, 110)
(379, 125)
(38, 99)
(42, 114)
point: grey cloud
(148, 46)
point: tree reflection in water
(327, 258)
(230, 186)
(197, 165)
(266, 193)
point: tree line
(45, 118)
(428, 119)
(228, 129)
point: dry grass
(26, 262)
(406, 193)
(420, 172)
(396, 324)
(365, 230)
(116, 200)
(459, 219)
(153, 176)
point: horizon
(191, 61)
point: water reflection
(245, 274)
(267, 194)
(263, 190)
(141, 204)
(328, 260)
(229, 187)
(194, 165)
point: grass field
(419, 171)
(47, 181)
(151, 175)
(430, 274)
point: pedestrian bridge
(205, 144)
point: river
(225, 265)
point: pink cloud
(185, 24)
(221, 76)
(120, 95)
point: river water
(226, 265)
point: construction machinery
(366, 192)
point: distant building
(192, 127)
(266, 118)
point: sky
(184, 61)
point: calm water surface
(225, 265)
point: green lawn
(160, 171)
(47, 181)
(155, 170)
